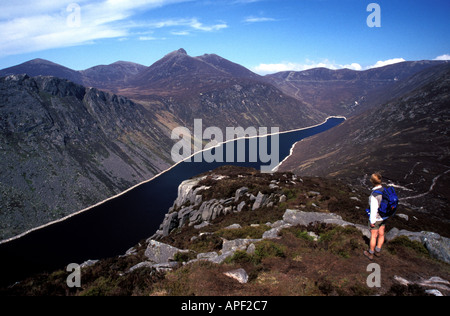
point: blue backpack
(389, 203)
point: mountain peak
(180, 52)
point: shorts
(378, 225)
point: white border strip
(157, 176)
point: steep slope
(229, 67)
(346, 92)
(406, 139)
(65, 147)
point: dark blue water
(112, 228)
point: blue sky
(265, 36)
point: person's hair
(376, 178)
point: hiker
(377, 224)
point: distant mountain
(64, 147)
(179, 87)
(110, 76)
(178, 73)
(102, 77)
(218, 91)
(406, 138)
(344, 91)
(42, 67)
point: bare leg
(373, 239)
(381, 237)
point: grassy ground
(293, 265)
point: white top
(374, 203)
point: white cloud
(147, 38)
(252, 19)
(264, 69)
(245, 1)
(29, 26)
(387, 62)
(443, 57)
(193, 24)
(180, 33)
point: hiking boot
(377, 254)
(368, 255)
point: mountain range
(83, 136)
(406, 138)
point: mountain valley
(80, 137)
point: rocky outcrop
(190, 209)
(160, 256)
(295, 217)
(437, 246)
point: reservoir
(118, 224)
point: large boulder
(296, 217)
(437, 246)
(158, 252)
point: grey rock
(187, 194)
(88, 263)
(164, 267)
(160, 267)
(203, 224)
(437, 246)
(234, 226)
(240, 275)
(221, 258)
(158, 252)
(251, 249)
(296, 217)
(240, 192)
(207, 256)
(259, 201)
(434, 292)
(274, 232)
(240, 206)
(237, 244)
(141, 265)
(438, 284)
(404, 216)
